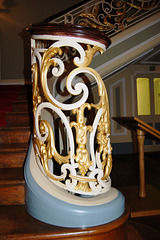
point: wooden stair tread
(21, 106)
(14, 128)
(16, 88)
(19, 118)
(12, 155)
(21, 101)
(21, 95)
(23, 226)
(12, 186)
(19, 113)
(9, 175)
(14, 134)
(13, 147)
(14, 138)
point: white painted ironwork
(86, 175)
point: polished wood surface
(14, 134)
(12, 155)
(141, 207)
(70, 31)
(141, 138)
(18, 119)
(14, 138)
(142, 129)
(11, 186)
(132, 234)
(16, 223)
(134, 123)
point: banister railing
(111, 16)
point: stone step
(11, 186)
(14, 134)
(19, 118)
(13, 155)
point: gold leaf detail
(50, 146)
(82, 155)
(48, 150)
(83, 186)
(47, 62)
(89, 55)
(35, 95)
(92, 18)
(42, 151)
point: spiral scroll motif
(82, 170)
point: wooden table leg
(141, 138)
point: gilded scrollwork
(36, 94)
(89, 53)
(103, 130)
(119, 13)
(48, 60)
(82, 155)
(40, 149)
(110, 16)
(48, 150)
(93, 21)
(80, 173)
(50, 146)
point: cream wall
(128, 46)
(128, 75)
(16, 15)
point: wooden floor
(145, 213)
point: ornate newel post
(70, 159)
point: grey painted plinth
(52, 210)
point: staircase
(15, 222)
(15, 129)
(14, 137)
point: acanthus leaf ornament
(82, 170)
(50, 146)
(36, 94)
(89, 53)
(82, 155)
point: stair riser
(21, 107)
(12, 194)
(18, 120)
(12, 160)
(15, 136)
(24, 97)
